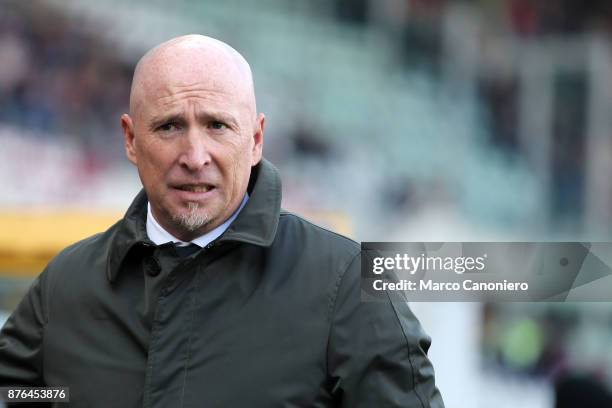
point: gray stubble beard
(193, 220)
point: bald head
(189, 60)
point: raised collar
(256, 223)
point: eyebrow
(162, 120)
(202, 117)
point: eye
(216, 125)
(168, 127)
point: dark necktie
(185, 251)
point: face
(194, 137)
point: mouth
(193, 192)
(195, 188)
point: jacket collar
(256, 223)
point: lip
(193, 192)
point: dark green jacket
(268, 315)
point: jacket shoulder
(310, 234)
(88, 251)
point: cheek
(234, 166)
(231, 156)
(152, 165)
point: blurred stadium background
(390, 120)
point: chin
(193, 217)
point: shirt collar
(160, 236)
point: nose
(195, 152)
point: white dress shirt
(159, 235)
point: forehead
(169, 79)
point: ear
(256, 153)
(128, 136)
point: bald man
(207, 294)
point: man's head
(193, 132)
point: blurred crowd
(417, 26)
(59, 79)
(522, 17)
